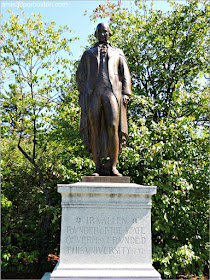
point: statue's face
(102, 33)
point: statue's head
(102, 32)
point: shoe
(95, 174)
(115, 172)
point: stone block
(105, 232)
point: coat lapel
(110, 52)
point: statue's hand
(125, 99)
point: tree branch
(43, 150)
(25, 154)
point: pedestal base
(106, 273)
(105, 232)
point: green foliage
(168, 156)
(23, 209)
(23, 201)
(34, 76)
(19, 209)
(37, 74)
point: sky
(69, 13)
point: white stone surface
(105, 232)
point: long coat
(120, 79)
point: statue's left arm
(125, 78)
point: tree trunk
(45, 226)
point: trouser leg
(111, 110)
(94, 116)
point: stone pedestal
(105, 232)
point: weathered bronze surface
(106, 179)
(104, 81)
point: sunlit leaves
(31, 71)
(36, 68)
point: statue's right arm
(81, 73)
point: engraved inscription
(105, 235)
(106, 220)
(105, 250)
(104, 230)
(98, 240)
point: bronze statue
(104, 81)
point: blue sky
(69, 13)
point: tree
(167, 54)
(34, 76)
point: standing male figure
(104, 82)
